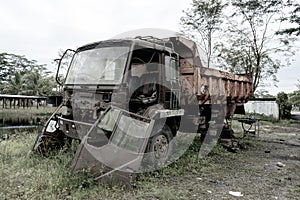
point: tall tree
(251, 42)
(201, 23)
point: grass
(268, 120)
(258, 116)
(26, 175)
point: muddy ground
(265, 167)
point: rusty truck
(127, 98)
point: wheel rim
(161, 147)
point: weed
(26, 175)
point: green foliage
(295, 98)
(10, 63)
(285, 105)
(18, 75)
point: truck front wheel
(48, 144)
(159, 147)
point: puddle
(19, 127)
(11, 125)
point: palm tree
(38, 83)
(32, 82)
(15, 84)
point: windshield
(103, 65)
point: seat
(146, 85)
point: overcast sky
(38, 29)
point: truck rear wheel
(159, 147)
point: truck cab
(130, 74)
(114, 79)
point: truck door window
(172, 94)
(145, 69)
(171, 69)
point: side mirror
(63, 65)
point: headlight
(52, 126)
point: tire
(46, 144)
(159, 147)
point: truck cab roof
(142, 42)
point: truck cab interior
(144, 79)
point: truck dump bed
(210, 86)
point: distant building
(265, 106)
(17, 101)
(54, 100)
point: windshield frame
(99, 45)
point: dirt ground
(265, 167)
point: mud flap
(120, 158)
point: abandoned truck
(127, 98)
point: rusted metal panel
(210, 86)
(221, 85)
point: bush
(285, 106)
